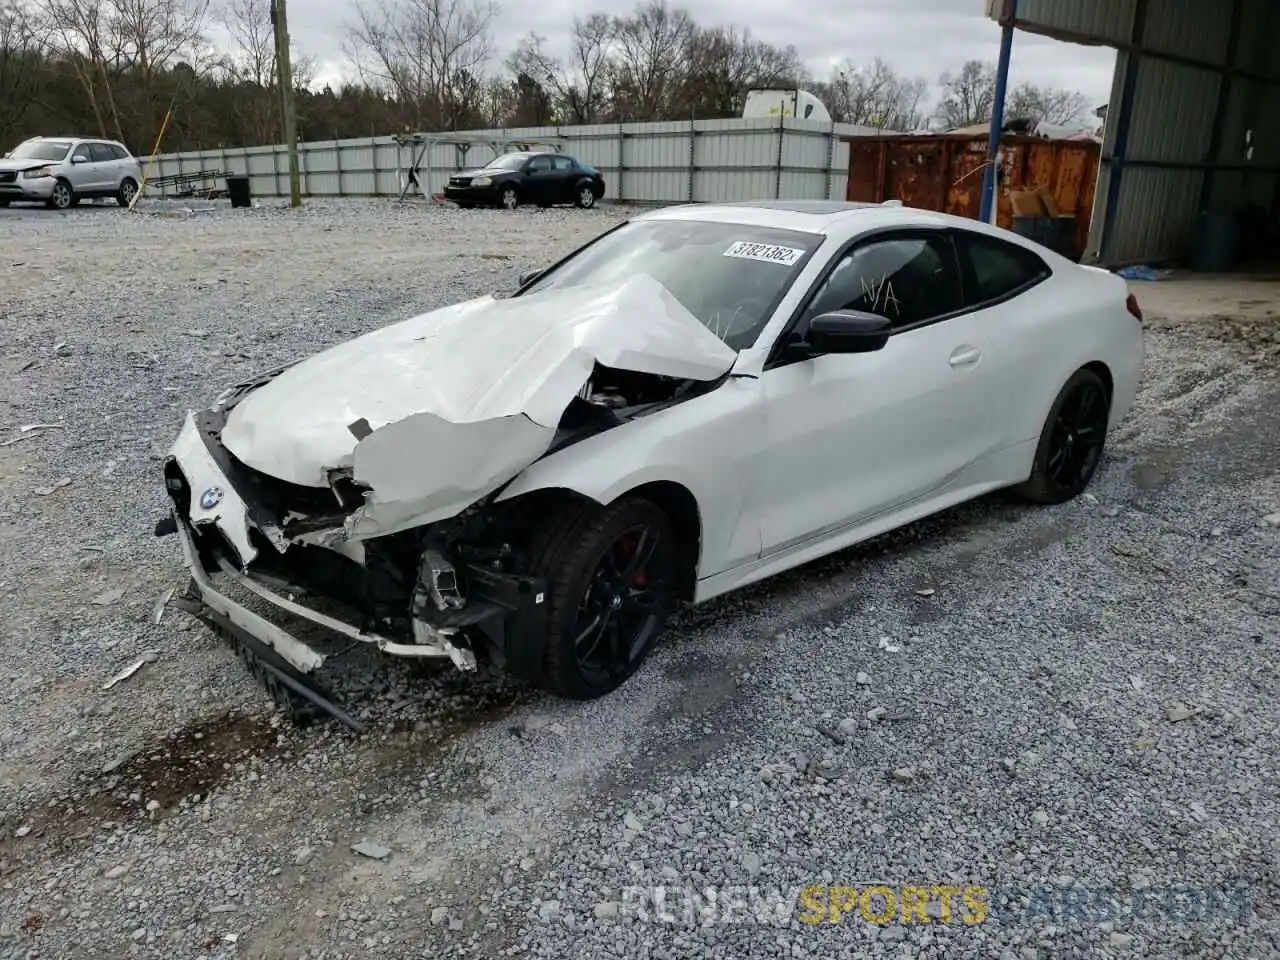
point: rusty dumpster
(944, 172)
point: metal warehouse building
(1193, 126)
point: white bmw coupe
(699, 398)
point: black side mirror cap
(848, 331)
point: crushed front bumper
(15, 187)
(222, 534)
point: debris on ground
(56, 485)
(130, 670)
(374, 851)
(158, 612)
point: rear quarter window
(996, 269)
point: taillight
(1131, 304)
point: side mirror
(848, 331)
(79, 158)
(528, 277)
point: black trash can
(1051, 232)
(238, 190)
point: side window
(998, 268)
(562, 163)
(82, 152)
(904, 279)
(100, 153)
(539, 165)
(117, 153)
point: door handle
(965, 356)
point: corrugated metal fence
(675, 162)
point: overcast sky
(918, 37)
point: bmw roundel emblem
(211, 498)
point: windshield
(508, 161)
(728, 275)
(41, 150)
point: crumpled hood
(6, 164)
(465, 368)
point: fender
(708, 444)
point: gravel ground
(1068, 707)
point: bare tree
(426, 52)
(21, 50)
(251, 66)
(538, 82)
(876, 96)
(589, 65)
(129, 44)
(1047, 105)
(723, 64)
(248, 23)
(968, 96)
(647, 71)
(80, 34)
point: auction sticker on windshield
(766, 252)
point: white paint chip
(764, 252)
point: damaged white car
(700, 398)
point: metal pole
(997, 112)
(284, 78)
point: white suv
(62, 171)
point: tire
(585, 198)
(128, 188)
(508, 197)
(1072, 441)
(63, 197)
(577, 551)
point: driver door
(539, 182)
(81, 169)
(853, 436)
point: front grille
(8, 176)
(459, 181)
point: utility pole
(284, 77)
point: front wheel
(509, 199)
(1071, 442)
(611, 577)
(62, 197)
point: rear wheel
(611, 577)
(586, 198)
(128, 190)
(1071, 442)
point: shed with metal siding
(1193, 126)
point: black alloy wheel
(1072, 441)
(623, 604)
(613, 577)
